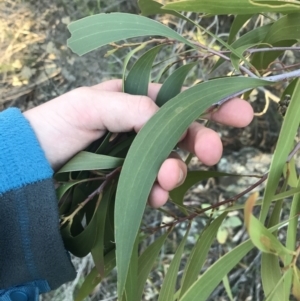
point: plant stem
(212, 207)
(285, 76)
(98, 191)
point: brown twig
(98, 191)
(212, 207)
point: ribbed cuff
(31, 245)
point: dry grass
(22, 34)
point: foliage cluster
(103, 191)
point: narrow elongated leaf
(275, 3)
(146, 262)
(65, 187)
(290, 173)
(192, 178)
(98, 248)
(150, 7)
(94, 278)
(253, 37)
(271, 275)
(292, 234)
(276, 293)
(81, 244)
(173, 84)
(284, 146)
(96, 31)
(90, 161)
(168, 287)
(130, 293)
(270, 269)
(199, 254)
(236, 26)
(227, 288)
(137, 81)
(127, 59)
(296, 283)
(151, 147)
(221, 7)
(207, 282)
(261, 237)
(216, 272)
(284, 32)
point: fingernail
(181, 178)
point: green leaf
(292, 230)
(127, 59)
(192, 178)
(150, 7)
(93, 278)
(275, 3)
(90, 161)
(209, 280)
(63, 188)
(96, 31)
(130, 293)
(284, 33)
(199, 254)
(146, 262)
(173, 84)
(271, 275)
(151, 147)
(270, 269)
(290, 173)
(284, 146)
(276, 293)
(168, 287)
(228, 7)
(252, 37)
(227, 288)
(296, 283)
(137, 81)
(261, 237)
(98, 248)
(80, 244)
(215, 273)
(236, 26)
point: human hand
(71, 122)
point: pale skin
(69, 123)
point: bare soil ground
(36, 66)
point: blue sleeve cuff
(32, 251)
(22, 161)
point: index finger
(236, 112)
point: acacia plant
(103, 191)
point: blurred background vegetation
(36, 66)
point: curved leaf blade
(168, 287)
(93, 278)
(150, 7)
(96, 31)
(173, 84)
(151, 147)
(236, 26)
(199, 254)
(284, 32)
(284, 146)
(146, 262)
(91, 161)
(192, 178)
(138, 78)
(215, 273)
(228, 7)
